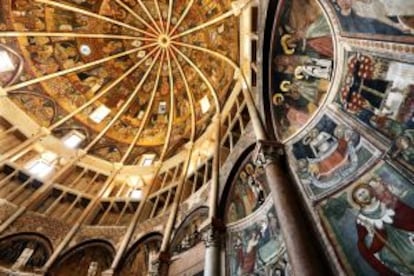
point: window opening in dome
(162, 108)
(42, 166)
(99, 114)
(6, 63)
(73, 139)
(147, 160)
(136, 194)
(205, 104)
(141, 115)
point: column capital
(212, 238)
(217, 224)
(213, 235)
(268, 152)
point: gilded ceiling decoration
(135, 74)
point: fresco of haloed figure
(329, 154)
(255, 245)
(371, 223)
(376, 17)
(379, 93)
(302, 65)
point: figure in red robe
(385, 227)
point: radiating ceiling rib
(170, 8)
(171, 49)
(74, 35)
(157, 7)
(100, 94)
(76, 111)
(189, 95)
(208, 51)
(203, 77)
(246, 87)
(204, 25)
(172, 108)
(8, 131)
(230, 62)
(182, 17)
(95, 15)
(147, 111)
(128, 102)
(149, 15)
(135, 15)
(74, 69)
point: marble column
(305, 252)
(213, 240)
(213, 234)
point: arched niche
(24, 251)
(254, 244)
(138, 259)
(88, 258)
(245, 190)
(301, 68)
(188, 233)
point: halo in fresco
(302, 65)
(370, 223)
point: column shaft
(212, 253)
(303, 249)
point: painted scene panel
(302, 65)
(248, 192)
(371, 223)
(380, 93)
(383, 17)
(329, 155)
(255, 245)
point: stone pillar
(213, 240)
(160, 265)
(305, 253)
(152, 260)
(24, 257)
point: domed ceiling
(129, 76)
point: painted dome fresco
(247, 137)
(127, 77)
